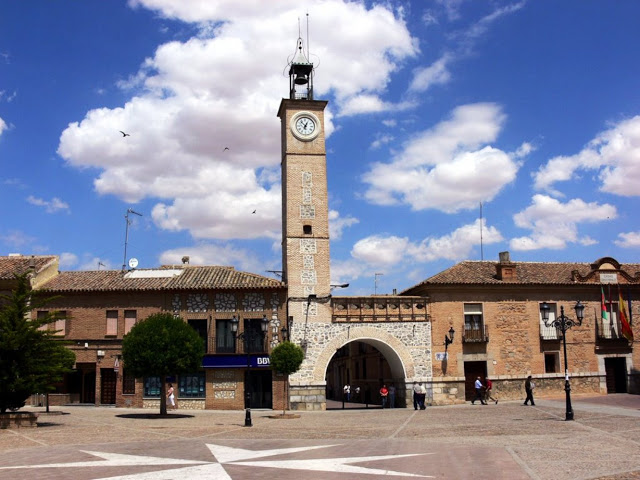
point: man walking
(478, 387)
(392, 396)
(384, 393)
(528, 387)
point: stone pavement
(504, 441)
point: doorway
(259, 385)
(616, 373)
(473, 370)
(108, 380)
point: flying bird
(225, 149)
(253, 212)
(124, 134)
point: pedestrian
(384, 393)
(171, 398)
(423, 397)
(356, 397)
(392, 396)
(416, 395)
(478, 386)
(346, 391)
(529, 385)
(487, 391)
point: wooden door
(108, 379)
(473, 370)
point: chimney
(505, 269)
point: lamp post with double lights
(249, 335)
(562, 324)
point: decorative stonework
(307, 211)
(308, 262)
(224, 394)
(308, 245)
(225, 385)
(197, 302)
(308, 277)
(275, 301)
(307, 179)
(176, 305)
(225, 302)
(223, 374)
(253, 302)
(309, 290)
(306, 195)
(310, 309)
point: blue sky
(530, 108)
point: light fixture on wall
(448, 340)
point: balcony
(383, 308)
(549, 333)
(609, 330)
(476, 335)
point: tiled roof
(484, 273)
(189, 278)
(19, 264)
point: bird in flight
(253, 212)
(124, 134)
(225, 149)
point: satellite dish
(133, 263)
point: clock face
(305, 126)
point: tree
(286, 358)
(159, 346)
(31, 358)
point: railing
(380, 309)
(609, 330)
(238, 346)
(475, 335)
(549, 333)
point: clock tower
(305, 219)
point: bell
(301, 79)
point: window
(128, 383)
(152, 386)
(610, 328)
(225, 341)
(552, 362)
(200, 326)
(472, 316)
(191, 386)
(549, 333)
(253, 335)
(112, 322)
(58, 326)
(130, 317)
(306, 229)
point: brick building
(494, 308)
(100, 307)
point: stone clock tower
(305, 221)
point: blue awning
(236, 361)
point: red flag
(624, 318)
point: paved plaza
(504, 441)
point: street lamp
(562, 324)
(448, 340)
(249, 335)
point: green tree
(159, 346)
(31, 359)
(286, 358)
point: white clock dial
(305, 125)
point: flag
(624, 318)
(603, 307)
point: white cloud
(222, 89)
(16, 238)
(3, 126)
(613, 153)
(337, 224)
(555, 224)
(435, 74)
(379, 250)
(50, 206)
(628, 240)
(212, 254)
(447, 168)
(68, 260)
(381, 139)
(368, 103)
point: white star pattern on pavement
(197, 469)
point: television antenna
(126, 235)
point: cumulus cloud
(449, 167)
(222, 89)
(628, 240)
(337, 224)
(50, 206)
(392, 250)
(613, 153)
(554, 224)
(67, 260)
(3, 126)
(435, 74)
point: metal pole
(247, 416)
(567, 386)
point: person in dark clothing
(528, 387)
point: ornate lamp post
(448, 340)
(249, 336)
(562, 324)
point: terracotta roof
(164, 278)
(19, 264)
(484, 273)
